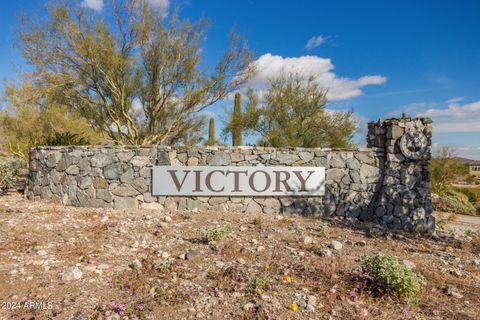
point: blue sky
(379, 58)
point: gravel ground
(78, 263)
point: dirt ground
(77, 263)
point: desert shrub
(257, 283)
(477, 207)
(323, 228)
(164, 266)
(471, 179)
(374, 232)
(471, 233)
(473, 194)
(8, 175)
(14, 162)
(387, 275)
(214, 234)
(455, 202)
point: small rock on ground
(192, 254)
(336, 245)
(72, 274)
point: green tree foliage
(132, 73)
(237, 124)
(211, 132)
(33, 118)
(444, 170)
(293, 114)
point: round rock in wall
(413, 144)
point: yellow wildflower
(267, 266)
(288, 279)
(294, 306)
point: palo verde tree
(133, 74)
(32, 118)
(293, 113)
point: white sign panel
(237, 181)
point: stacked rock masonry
(405, 199)
(388, 182)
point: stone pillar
(404, 200)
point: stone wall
(375, 183)
(405, 198)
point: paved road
(460, 221)
(468, 219)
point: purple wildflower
(353, 295)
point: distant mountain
(467, 161)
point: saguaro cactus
(211, 132)
(237, 121)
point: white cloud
(137, 105)
(314, 42)
(456, 99)
(270, 66)
(96, 5)
(411, 109)
(159, 3)
(162, 5)
(455, 118)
